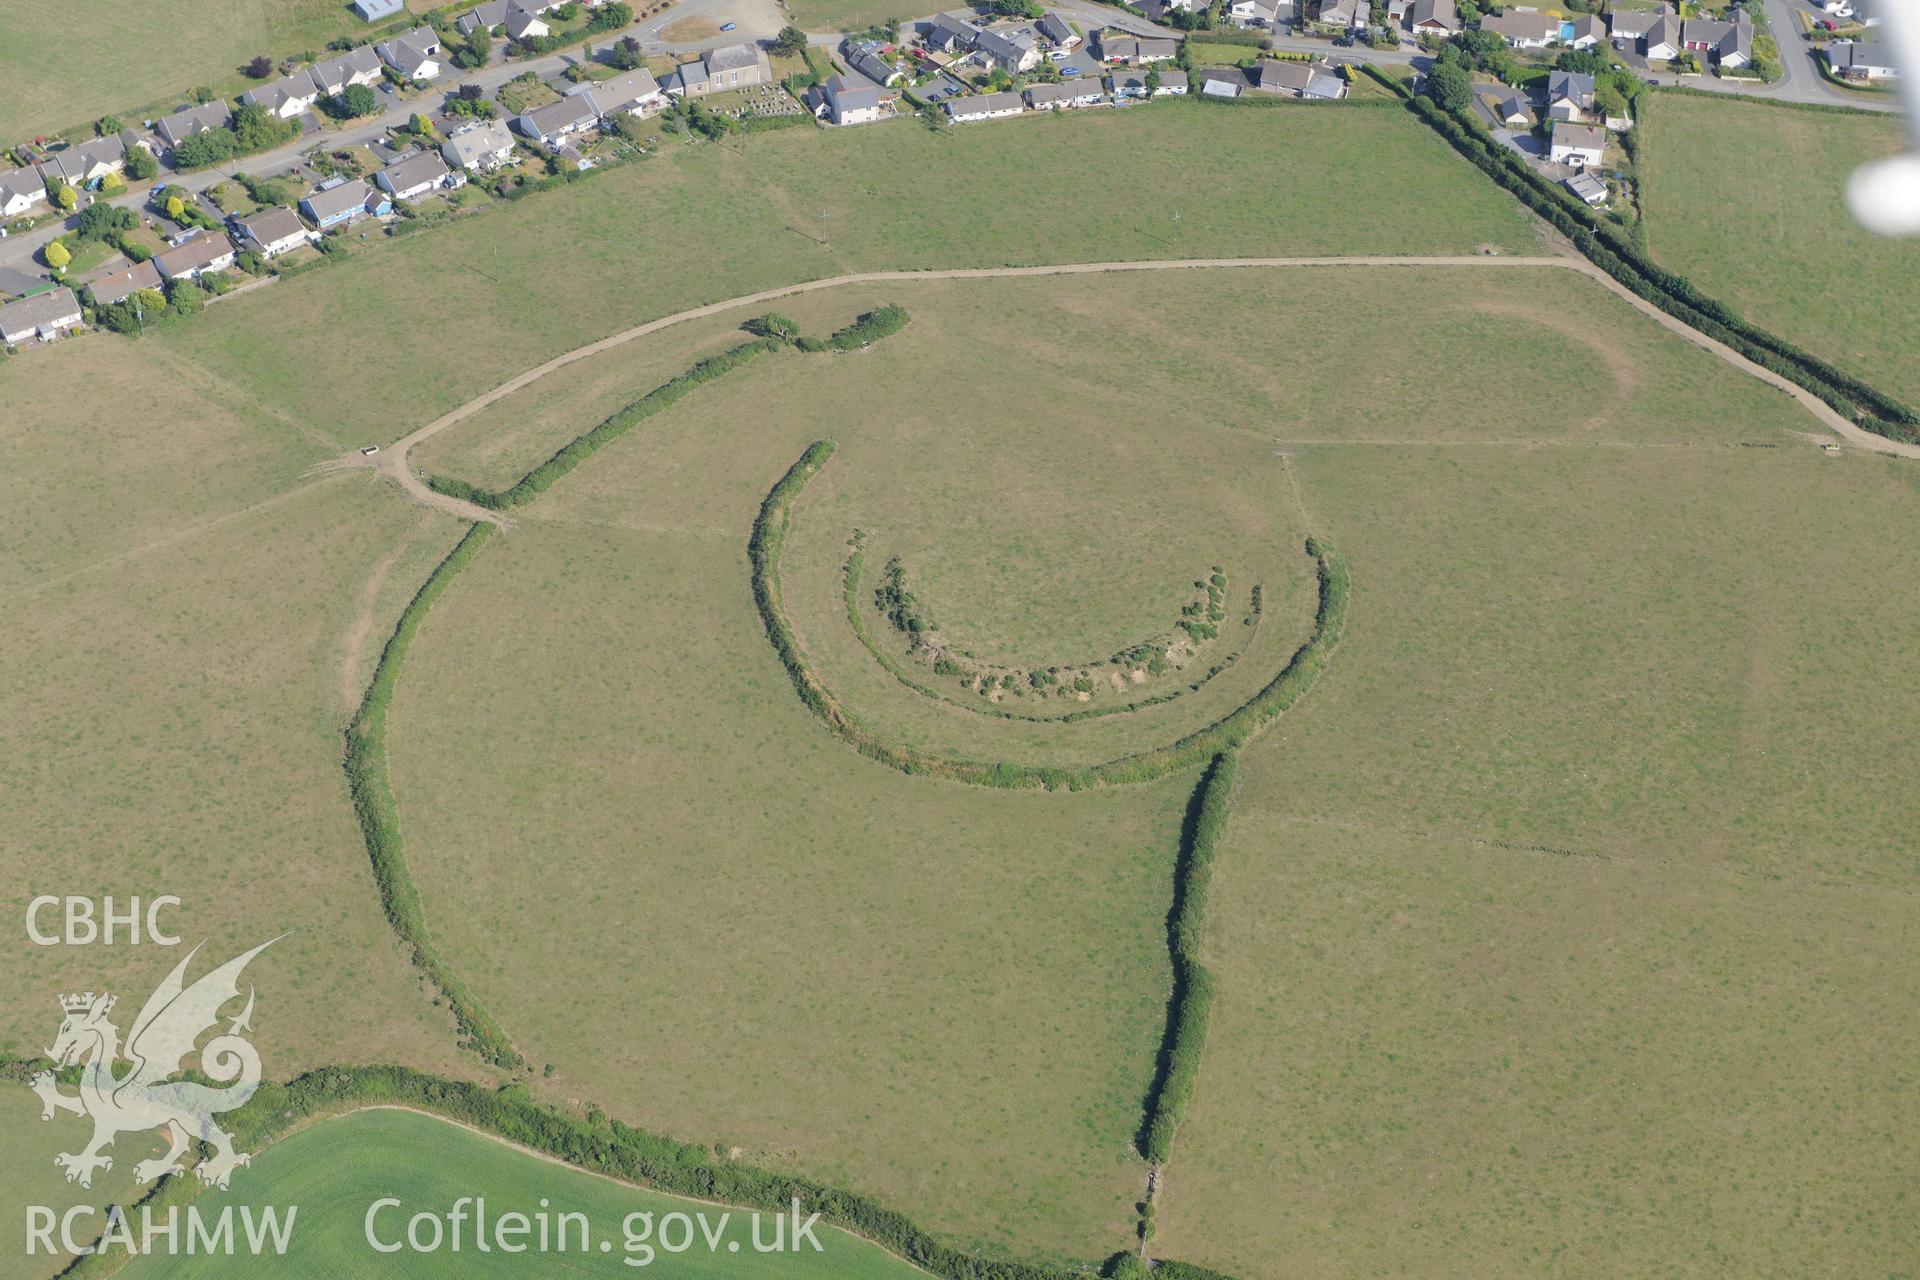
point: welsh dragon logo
(138, 1090)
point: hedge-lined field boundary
(365, 759)
(592, 1142)
(582, 447)
(867, 329)
(1230, 731)
(1833, 108)
(1613, 252)
(371, 787)
(851, 575)
(1191, 1007)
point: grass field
(178, 690)
(133, 56)
(850, 15)
(336, 1169)
(1786, 255)
(1567, 926)
(704, 222)
(114, 445)
(1564, 926)
(663, 879)
(645, 777)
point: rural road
(392, 461)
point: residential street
(18, 250)
(1801, 80)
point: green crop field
(335, 1170)
(57, 71)
(1787, 255)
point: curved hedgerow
(1230, 731)
(772, 334)
(372, 791)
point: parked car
(728, 26)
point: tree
(56, 255)
(611, 17)
(184, 297)
(421, 126)
(260, 68)
(357, 100)
(176, 207)
(1447, 84)
(477, 51)
(108, 126)
(101, 221)
(66, 197)
(790, 42)
(202, 95)
(773, 325)
(210, 146)
(1584, 61)
(624, 54)
(254, 129)
(1153, 79)
(140, 164)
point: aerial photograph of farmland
(1210, 639)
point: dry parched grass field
(1785, 254)
(1545, 607)
(1565, 925)
(1569, 925)
(701, 223)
